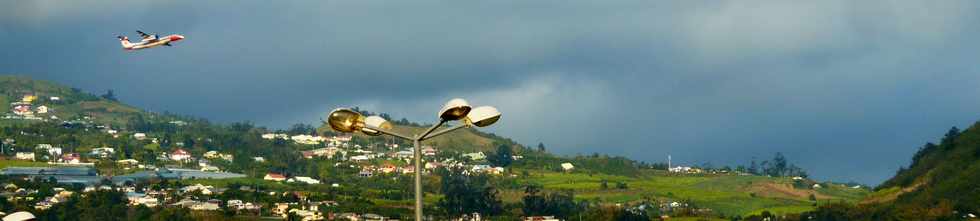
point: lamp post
(349, 121)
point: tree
(110, 95)
(533, 201)
(541, 147)
(779, 165)
(560, 204)
(947, 142)
(503, 157)
(753, 168)
(467, 194)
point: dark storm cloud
(846, 89)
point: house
(180, 155)
(128, 162)
(259, 159)
(42, 109)
(480, 168)
(680, 169)
(281, 209)
(274, 177)
(102, 152)
(206, 190)
(142, 199)
(54, 98)
(475, 156)
(428, 151)
(25, 156)
(307, 139)
(541, 218)
(209, 168)
(365, 173)
(275, 136)
(342, 138)
(432, 165)
(216, 155)
(567, 166)
(71, 158)
(308, 180)
(205, 206)
(360, 158)
(388, 168)
(307, 154)
(139, 136)
(404, 154)
(408, 169)
(307, 215)
(235, 204)
(496, 170)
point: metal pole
(418, 179)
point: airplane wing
(143, 34)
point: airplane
(148, 41)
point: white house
(567, 166)
(180, 155)
(274, 177)
(42, 109)
(139, 136)
(476, 156)
(206, 190)
(679, 169)
(102, 152)
(25, 156)
(308, 180)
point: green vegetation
(21, 163)
(590, 191)
(725, 194)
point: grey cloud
(825, 82)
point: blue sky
(847, 90)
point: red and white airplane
(148, 41)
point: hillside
(628, 182)
(462, 140)
(63, 102)
(941, 177)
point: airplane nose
(176, 37)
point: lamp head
(483, 116)
(375, 122)
(455, 109)
(345, 120)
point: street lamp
(349, 121)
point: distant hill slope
(77, 104)
(462, 140)
(946, 175)
(71, 103)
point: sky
(847, 90)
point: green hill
(941, 183)
(726, 194)
(462, 140)
(72, 103)
(941, 179)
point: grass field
(4, 104)
(21, 163)
(725, 194)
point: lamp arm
(441, 132)
(392, 133)
(429, 131)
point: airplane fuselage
(150, 44)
